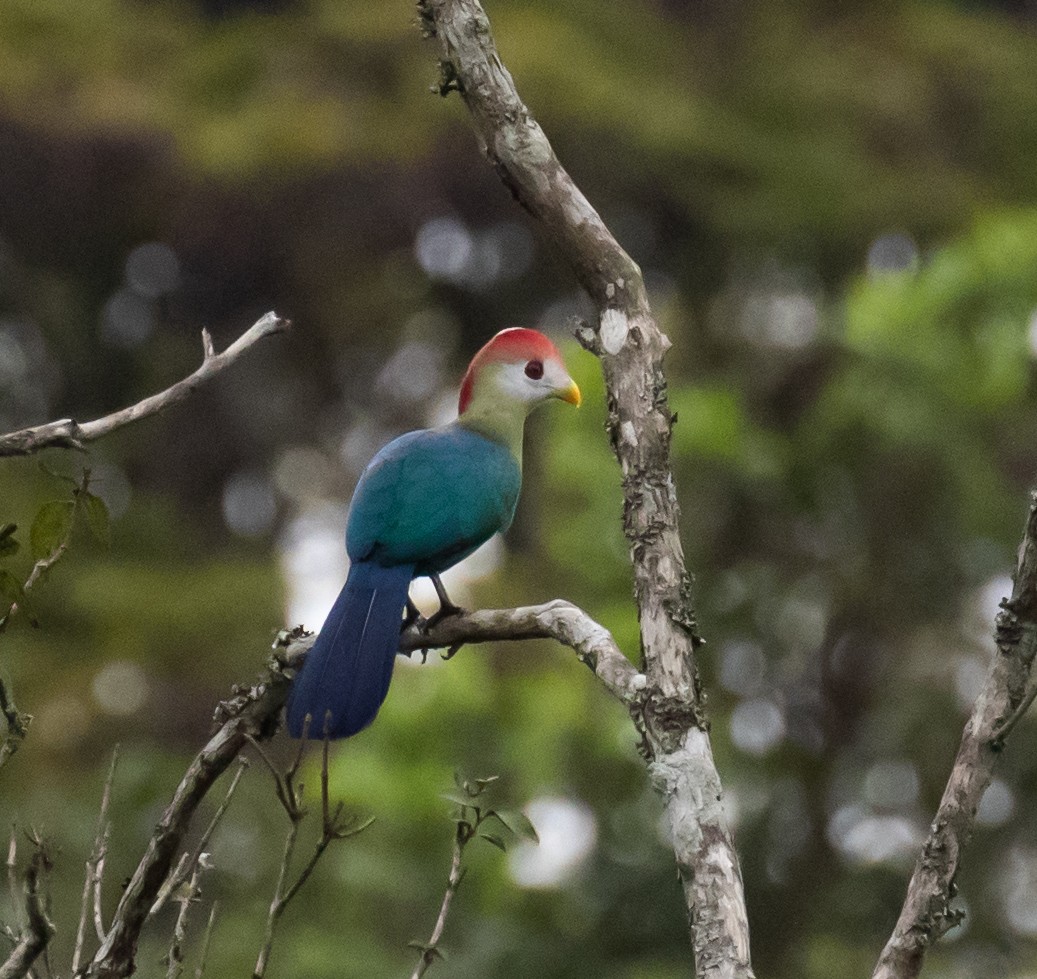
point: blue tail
(350, 665)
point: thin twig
(39, 929)
(175, 956)
(927, 913)
(333, 828)
(190, 860)
(203, 952)
(69, 434)
(94, 868)
(430, 950)
(12, 874)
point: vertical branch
(95, 868)
(631, 348)
(203, 952)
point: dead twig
(95, 868)
(38, 929)
(189, 861)
(333, 827)
(203, 952)
(69, 434)
(188, 896)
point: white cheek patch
(513, 383)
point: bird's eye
(535, 370)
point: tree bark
(631, 349)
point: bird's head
(517, 367)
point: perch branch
(251, 715)
(69, 434)
(631, 349)
(559, 620)
(926, 913)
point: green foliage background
(854, 445)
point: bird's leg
(410, 615)
(446, 607)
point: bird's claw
(445, 611)
(452, 651)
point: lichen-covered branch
(926, 913)
(631, 348)
(70, 434)
(559, 620)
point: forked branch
(70, 434)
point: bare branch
(175, 956)
(12, 869)
(39, 929)
(631, 348)
(69, 434)
(95, 868)
(926, 913)
(250, 713)
(189, 861)
(17, 725)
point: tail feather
(349, 667)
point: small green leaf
(50, 528)
(456, 797)
(11, 590)
(496, 841)
(518, 823)
(430, 950)
(8, 545)
(97, 519)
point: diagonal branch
(69, 434)
(926, 913)
(251, 716)
(631, 348)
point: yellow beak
(571, 394)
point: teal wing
(430, 498)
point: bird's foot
(446, 607)
(446, 610)
(412, 616)
(452, 651)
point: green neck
(499, 419)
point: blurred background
(836, 213)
